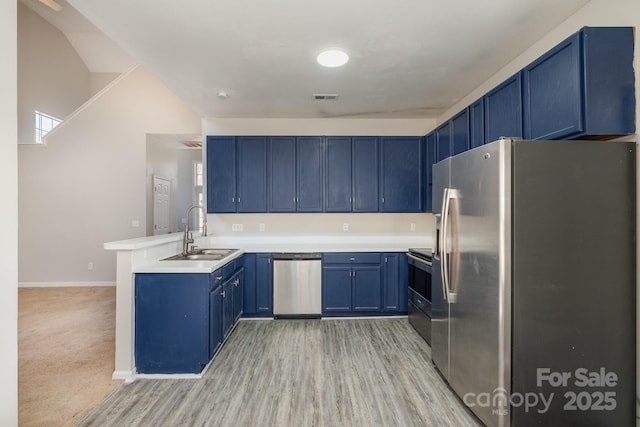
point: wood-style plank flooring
(371, 372)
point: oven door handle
(420, 260)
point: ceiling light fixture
(332, 58)
(222, 95)
(52, 4)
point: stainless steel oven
(420, 291)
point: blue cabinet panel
(391, 282)
(264, 285)
(503, 110)
(401, 174)
(282, 173)
(309, 168)
(476, 124)
(249, 292)
(337, 174)
(430, 160)
(227, 306)
(365, 174)
(252, 174)
(553, 94)
(583, 86)
(460, 132)
(221, 174)
(336, 289)
(215, 321)
(367, 292)
(171, 322)
(238, 291)
(443, 141)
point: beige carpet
(65, 353)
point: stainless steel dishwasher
(297, 285)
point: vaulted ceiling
(408, 58)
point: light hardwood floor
(299, 373)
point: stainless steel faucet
(188, 236)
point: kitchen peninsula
(145, 255)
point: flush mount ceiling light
(222, 94)
(332, 58)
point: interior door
(161, 205)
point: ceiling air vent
(325, 96)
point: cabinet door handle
(354, 274)
(352, 259)
(233, 199)
(223, 294)
(383, 200)
(238, 199)
(236, 283)
(218, 278)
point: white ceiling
(409, 58)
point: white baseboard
(63, 284)
(127, 376)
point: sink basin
(203, 255)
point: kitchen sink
(203, 255)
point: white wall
(51, 76)
(8, 216)
(97, 81)
(88, 183)
(315, 224)
(185, 195)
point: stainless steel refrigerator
(533, 296)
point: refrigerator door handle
(453, 208)
(444, 268)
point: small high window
(44, 124)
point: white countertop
(257, 244)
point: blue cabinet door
(249, 285)
(460, 132)
(264, 285)
(336, 289)
(171, 322)
(553, 93)
(367, 292)
(476, 124)
(227, 306)
(252, 174)
(221, 174)
(503, 110)
(238, 291)
(309, 168)
(430, 160)
(391, 282)
(401, 174)
(337, 174)
(282, 174)
(215, 321)
(365, 166)
(443, 141)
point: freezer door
(439, 305)
(478, 254)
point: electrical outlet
(90, 266)
(237, 227)
(412, 226)
(262, 226)
(345, 226)
(135, 223)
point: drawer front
(228, 270)
(419, 301)
(352, 258)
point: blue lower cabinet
(396, 282)
(215, 321)
(227, 306)
(336, 289)
(257, 286)
(367, 294)
(171, 322)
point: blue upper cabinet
(401, 174)
(337, 174)
(365, 166)
(236, 174)
(309, 171)
(583, 86)
(221, 174)
(252, 174)
(503, 110)
(443, 141)
(430, 160)
(476, 124)
(282, 174)
(460, 132)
